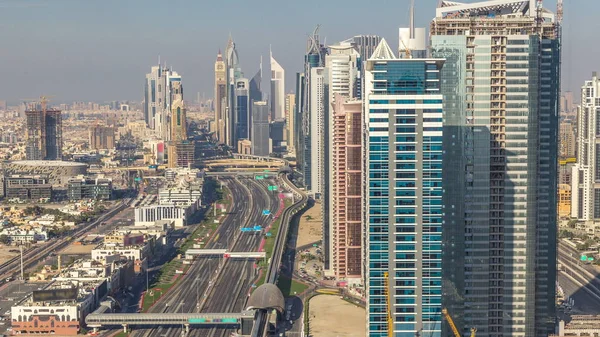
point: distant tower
(220, 97)
(277, 90)
(412, 41)
(44, 133)
(178, 118)
(181, 151)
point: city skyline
(138, 49)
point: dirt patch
(310, 226)
(78, 249)
(330, 316)
(5, 255)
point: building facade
(277, 90)
(585, 178)
(261, 143)
(44, 134)
(290, 122)
(319, 107)
(101, 137)
(220, 97)
(89, 188)
(27, 187)
(403, 194)
(346, 190)
(242, 110)
(501, 87)
(568, 140)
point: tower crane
(453, 326)
(388, 306)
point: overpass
(157, 319)
(225, 253)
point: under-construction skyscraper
(44, 133)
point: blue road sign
(245, 229)
(257, 228)
(266, 212)
(269, 234)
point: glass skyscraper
(501, 91)
(403, 194)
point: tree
(4, 239)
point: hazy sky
(100, 50)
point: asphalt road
(203, 288)
(584, 303)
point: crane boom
(450, 322)
(388, 306)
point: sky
(100, 50)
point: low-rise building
(19, 236)
(148, 215)
(27, 187)
(135, 252)
(580, 325)
(89, 188)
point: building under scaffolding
(44, 134)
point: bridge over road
(160, 319)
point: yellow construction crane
(388, 305)
(453, 326)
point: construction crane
(453, 326)
(388, 305)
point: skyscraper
(242, 110)
(403, 194)
(178, 120)
(568, 141)
(277, 90)
(234, 72)
(501, 87)
(412, 41)
(255, 93)
(364, 44)
(181, 150)
(101, 137)
(260, 129)
(290, 122)
(343, 71)
(220, 98)
(586, 173)
(346, 190)
(44, 133)
(161, 86)
(318, 108)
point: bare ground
(310, 226)
(330, 316)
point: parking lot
(310, 264)
(12, 293)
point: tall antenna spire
(260, 66)
(412, 19)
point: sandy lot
(5, 255)
(310, 230)
(78, 249)
(330, 316)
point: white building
(277, 90)
(147, 215)
(318, 113)
(180, 197)
(585, 191)
(21, 236)
(138, 252)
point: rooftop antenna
(159, 60)
(260, 66)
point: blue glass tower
(403, 116)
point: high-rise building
(234, 72)
(242, 110)
(260, 129)
(178, 120)
(277, 90)
(586, 172)
(101, 137)
(44, 133)
(346, 190)
(318, 108)
(181, 150)
(220, 98)
(501, 88)
(315, 57)
(160, 88)
(290, 122)
(277, 136)
(364, 44)
(255, 93)
(403, 193)
(343, 71)
(567, 142)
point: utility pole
(22, 275)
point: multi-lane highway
(578, 280)
(216, 284)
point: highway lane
(188, 294)
(586, 275)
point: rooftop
(48, 163)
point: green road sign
(197, 320)
(229, 320)
(583, 257)
(590, 259)
(259, 177)
(314, 245)
(272, 188)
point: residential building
(346, 190)
(501, 81)
(220, 97)
(319, 108)
(101, 137)
(564, 201)
(290, 122)
(565, 170)
(343, 71)
(585, 178)
(80, 188)
(43, 133)
(261, 145)
(137, 252)
(277, 90)
(160, 87)
(568, 141)
(21, 236)
(403, 194)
